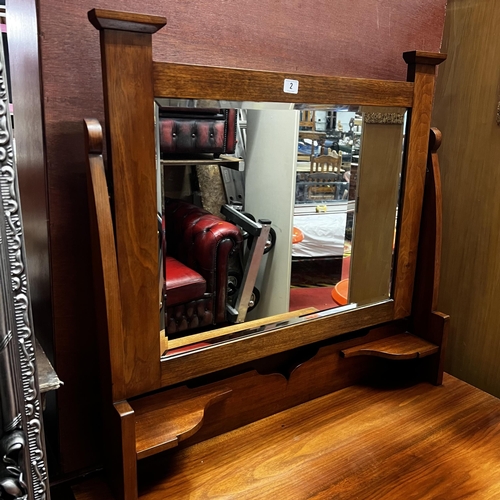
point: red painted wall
(358, 38)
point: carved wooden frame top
(131, 83)
(23, 470)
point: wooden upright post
(127, 70)
(421, 71)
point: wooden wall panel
(26, 95)
(364, 38)
(465, 111)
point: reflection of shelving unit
(224, 161)
(313, 135)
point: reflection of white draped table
(324, 232)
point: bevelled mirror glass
(302, 213)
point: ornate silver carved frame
(23, 471)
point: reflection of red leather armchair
(199, 245)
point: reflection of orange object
(340, 292)
(298, 235)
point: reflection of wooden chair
(325, 177)
(326, 163)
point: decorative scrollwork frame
(23, 470)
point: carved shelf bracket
(402, 346)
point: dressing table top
(363, 442)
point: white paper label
(291, 86)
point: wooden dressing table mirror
(175, 406)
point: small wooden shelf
(402, 346)
(164, 419)
(225, 161)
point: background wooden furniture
(50, 43)
(325, 163)
(467, 104)
(126, 259)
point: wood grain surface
(191, 365)
(276, 384)
(360, 442)
(202, 82)
(467, 97)
(420, 442)
(164, 419)
(428, 323)
(401, 346)
(127, 78)
(105, 270)
(122, 469)
(422, 71)
(126, 21)
(364, 39)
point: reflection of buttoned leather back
(186, 130)
(196, 238)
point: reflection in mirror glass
(272, 212)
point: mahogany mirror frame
(132, 81)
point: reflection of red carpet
(320, 298)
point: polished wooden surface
(180, 368)
(165, 419)
(202, 82)
(128, 92)
(428, 323)
(424, 57)
(366, 441)
(122, 463)
(427, 284)
(105, 270)
(466, 109)
(401, 346)
(118, 20)
(421, 70)
(261, 388)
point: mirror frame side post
(422, 72)
(127, 69)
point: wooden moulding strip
(164, 419)
(125, 21)
(220, 332)
(205, 82)
(402, 346)
(194, 364)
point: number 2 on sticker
(291, 86)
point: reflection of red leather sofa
(197, 130)
(199, 245)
